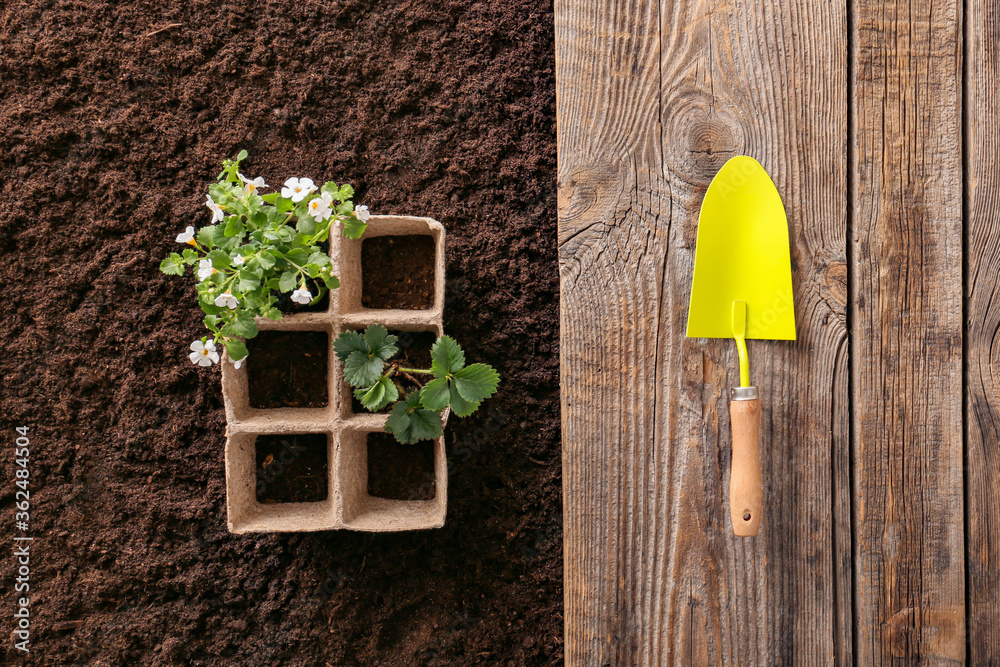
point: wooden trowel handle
(745, 490)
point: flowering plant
(257, 245)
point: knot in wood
(711, 141)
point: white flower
(297, 189)
(302, 296)
(238, 260)
(203, 354)
(319, 208)
(227, 300)
(250, 187)
(187, 236)
(205, 269)
(238, 362)
(217, 214)
(362, 213)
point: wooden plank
(907, 332)
(652, 99)
(982, 101)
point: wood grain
(652, 100)
(907, 332)
(982, 100)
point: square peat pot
(394, 274)
(423, 503)
(296, 396)
(248, 482)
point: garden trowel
(742, 288)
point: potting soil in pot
(288, 369)
(397, 272)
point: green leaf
(329, 188)
(236, 348)
(361, 370)
(253, 303)
(379, 395)
(266, 260)
(234, 225)
(219, 235)
(446, 357)
(312, 270)
(460, 406)
(346, 192)
(243, 325)
(190, 256)
(219, 259)
(298, 255)
(173, 265)
(205, 236)
(436, 394)
(271, 198)
(319, 257)
(273, 314)
(347, 342)
(248, 282)
(219, 193)
(354, 228)
(242, 156)
(212, 322)
(411, 423)
(332, 282)
(211, 308)
(380, 343)
(284, 205)
(289, 279)
(476, 382)
(306, 225)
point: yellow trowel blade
(742, 255)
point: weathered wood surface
(857, 112)
(907, 332)
(652, 100)
(982, 101)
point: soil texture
(114, 117)
(288, 369)
(292, 468)
(400, 472)
(397, 272)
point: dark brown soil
(397, 272)
(400, 472)
(113, 118)
(287, 369)
(414, 352)
(292, 468)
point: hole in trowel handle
(746, 516)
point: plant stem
(411, 378)
(415, 370)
